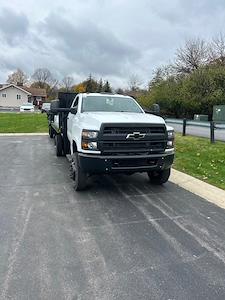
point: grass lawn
(197, 157)
(23, 123)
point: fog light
(89, 145)
(92, 145)
(170, 144)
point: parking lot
(122, 238)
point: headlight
(89, 140)
(171, 136)
(89, 134)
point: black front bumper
(97, 164)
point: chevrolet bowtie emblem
(136, 135)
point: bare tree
(161, 73)
(42, 77)
(67, 83)
(194, 54)
(134, 83)
(158, 76)
(217, 49)
(17, 77)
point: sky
(112, 39)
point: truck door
(71, 118)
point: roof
(105, 94)
(15, 86)
(36, 91)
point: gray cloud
(108, 38)
(14, 26)
(88, 47)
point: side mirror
(73, 110)
(156, 109)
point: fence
(211, 125)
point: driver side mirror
(73, 110)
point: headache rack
(61, 107)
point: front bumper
(97, 164)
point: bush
(190, 94)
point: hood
(95, 119)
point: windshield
(110, 104)
(28, 104)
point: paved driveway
(120, 239)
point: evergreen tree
(100, 86)
(89, 84)
(107, 87)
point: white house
(13, 96)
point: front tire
(59, 145)
(159, 177)
(78, 174)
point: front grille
(127, 130)
(114, 140)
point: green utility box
(201, 117)
(219, 113)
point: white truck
(110, 133)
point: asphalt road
(199, 131)
(120, 239)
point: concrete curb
(198, 187)
(23, 134)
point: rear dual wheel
(59, 145)
(50, 132)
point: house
(12, 95)
(38, 96)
